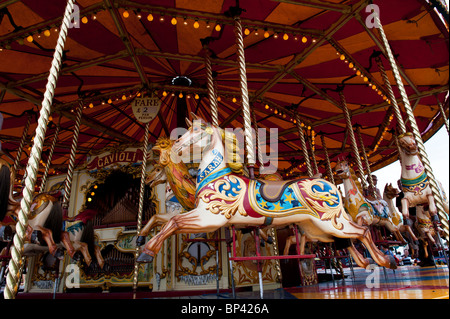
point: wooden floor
(406, 282)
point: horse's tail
(88, 236)
(5, 185)
(54, 221)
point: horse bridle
(207, 131)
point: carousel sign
(127, 156)
(146, 108)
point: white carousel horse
(226, 197)
(362, 210)
(415, 184)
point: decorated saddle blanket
(380, 208)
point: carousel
(184, 148)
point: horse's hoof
(6, 233)
(36, 237)
(59, 254)
(144, 258)
(140, 240)
(392, 262)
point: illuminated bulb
(304, 39)
(218, 27)
(351, 65)
(246, 31)
(124, 97)
(50, 118)
(89, 199)
(161, 19)
(30, 38)
(126, 14)
(276, 112)
(374, 87)
(366, 79)
(342, 57)
(164, 93)
(219, 98)
(267, 106)
(174, 21)
(285, 36)
(84, 20)
(92, 194)
(275, 35)
(196, 96)
(91, 105)
(266, 34)
(150, 17)
(180, 95)
(196, 25)
(234, 100)
(47, 33)
(95, 186)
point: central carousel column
(15, 264)
(415, 129)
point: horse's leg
(302, 244)
(357, 256)
(98, 255)
(83, 248)
(430, 237)
(408, 229)
(191, 222)
(47, 235)
(432, 205)
(289, 242)
(405, 208)
(380, 258)
(158, 219)
(67, 243)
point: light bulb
(218, 27)
(174, 21)
(126, 14)
(196, 25)
(150, 17)
(84, 20)
(285, 36)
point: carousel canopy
(299, 54)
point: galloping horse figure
(362, 210)
(389, 193)
(79, 236)
(414, 179)
(226, 197)
(45, 212)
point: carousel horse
(78, 236)
(362, 210)
(425, 226)
(389, 194)
(414, 179)
(45, 217)
(180, 191)
(225, 197)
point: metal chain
(415, 130)
(15, 264)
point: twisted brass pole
(15, 264)
(366, 161)
(141, 208)
(244, 92)
(329, 170)
(303, 144)
(211, 91)
(313, 155)
(398, 115)
(441, 109)
(258, 140)
(73, 150)
(415, 130)
(22, 143)
(49, 161)
(351, 134)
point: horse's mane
(232, 151)
(355, 178)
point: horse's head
(197, 138)
(407, 143)
(156, 176)
(163, 146)
(342, 169)
(390, 191)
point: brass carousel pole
(210, 85)
(301, 134)
(15, 263)
(441, 109)
(415, 129)
(366, 161)
(352, 138)
(327, 157)
(141, 208)
(22, 143)
(50, 155)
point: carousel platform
(406, 282)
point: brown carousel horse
(225, 197)
(45, 217)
